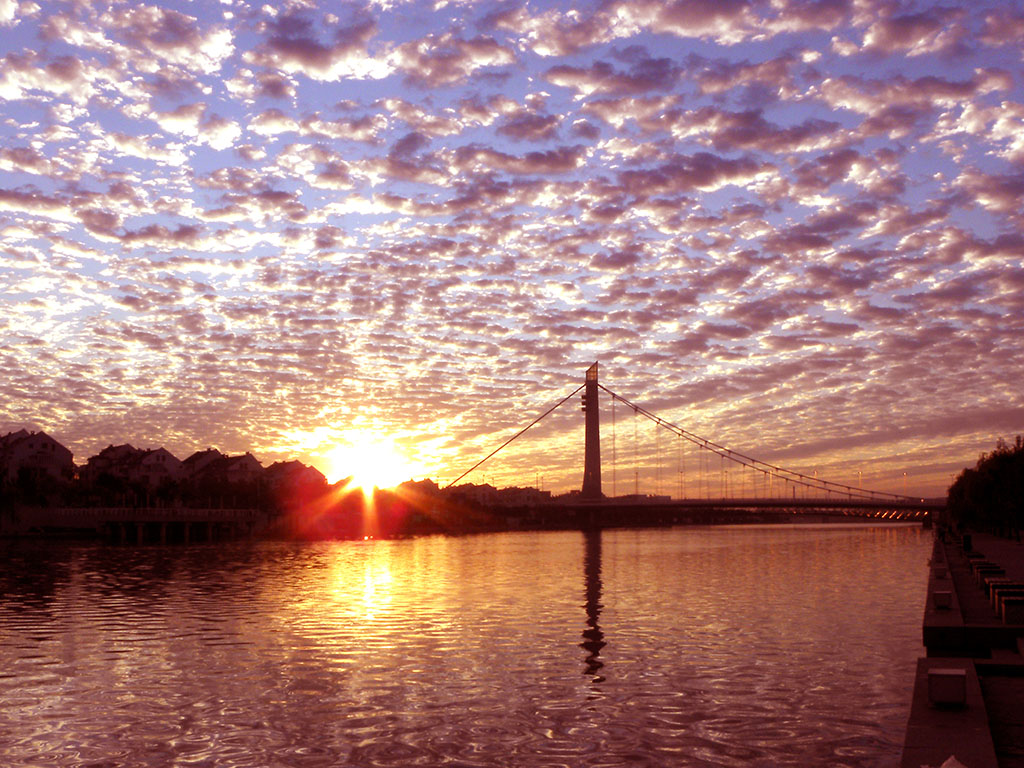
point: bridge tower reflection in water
(593, 637)
(592, 445)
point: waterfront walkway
(137, 525)
(968, 698)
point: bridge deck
(860, 507)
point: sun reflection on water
(685, 646)
(377, 581)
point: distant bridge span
(626, 511)
(798, 492)
(867, 508)
(868, 505)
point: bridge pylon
(592, 452)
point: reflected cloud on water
(471, 650)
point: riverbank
(969, 689)
(137, 528)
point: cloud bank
(794, 228)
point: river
(703, 646)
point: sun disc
(370, 461)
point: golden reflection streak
(377, 581)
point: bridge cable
(796, 478)
(615, 461)
(657, 461)
(636, 457)
(517, 434)
(682, 492)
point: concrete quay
(968, 700)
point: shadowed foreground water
(686, 646)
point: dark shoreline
(969, 687)
(93, 535)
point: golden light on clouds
(274, 229)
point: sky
(793, 228)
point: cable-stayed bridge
(756, 488)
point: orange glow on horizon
(371, 461)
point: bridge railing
(99, 515)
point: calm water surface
(729, 646)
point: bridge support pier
(592, 452)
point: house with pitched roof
(114, 461)
(156, 467)
(195, 466)
(213, 467)
(34, 453)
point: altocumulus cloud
(791, 227)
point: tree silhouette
(991, 495)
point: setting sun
(371, 461)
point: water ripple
(683, 647)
